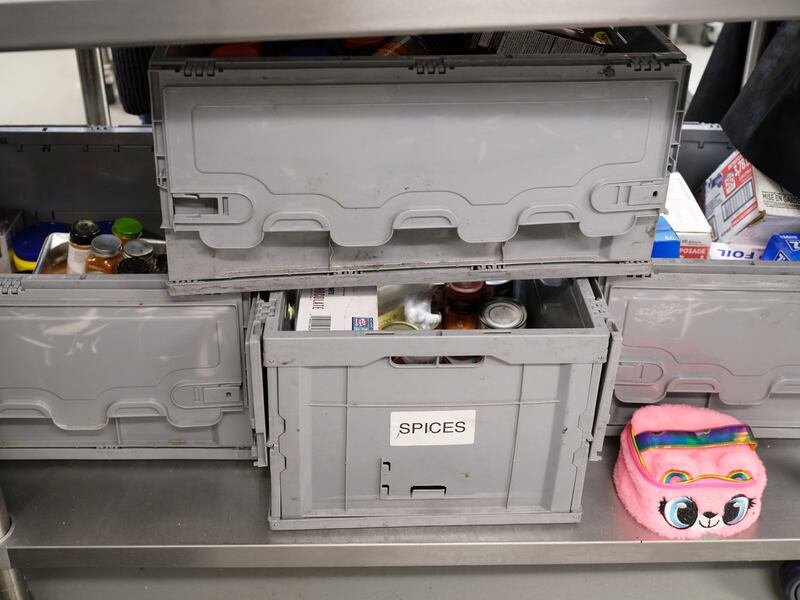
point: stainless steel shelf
(213, 514)
(28, 24)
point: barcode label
(739, 198)
(319, 323)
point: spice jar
(126, 229)
(132, 266)
(139, 249)
(104, 255)
(463, 303)
(81, 235)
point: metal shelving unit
(146, 514)
(27, 24)
(166, 514)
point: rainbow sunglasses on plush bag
(684, 472)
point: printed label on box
(700, 252)
(432, 428)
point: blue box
(667, 244)
(783, 247)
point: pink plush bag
(684, 472)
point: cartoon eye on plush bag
(684, 472)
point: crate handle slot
(428, 491)
(406, 362)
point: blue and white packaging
(667, 244)
(735, 251)
(783, 247)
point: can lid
(138, 249)
(133, 266)
(503, 314)
(106, 245)
(83, 232)
(127, 228)
(28, 242)
(465, 290)
(399, 326)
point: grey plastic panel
(111, 366)
(336, 167)
(331, 397)
(711, 333)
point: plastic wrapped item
(411, 304)
(783, 247)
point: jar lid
(127, 227)
(83, 232)
(503, 314)
(106, 245)
(132, 266)
(28, 242)
(465, 290)
(138, 249)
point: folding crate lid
(708, 327)
(364, 148)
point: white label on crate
(432, 428)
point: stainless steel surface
(53, 256)
(13, 585)
(93, 86)
(755, 46)
(202, 514)
(12, 582)
(75, 23)
(732, 581)
(5, 517)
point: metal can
(399, 326)
(503, 314)
(500, 288)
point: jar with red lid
(463, 302)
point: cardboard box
(666, 244)
(687, 220)
(783, 247)
(338, 309)
(735, 251)
(742, 203)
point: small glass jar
(139, 249)
(81, 235)
(126, 229)
(132, 266)
(463, 304)
(105, 254)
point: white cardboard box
(745, 205)
(735, 251)
(687, 220)
(338, 309)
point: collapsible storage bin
(113, 367)
(721, 334)
(361, 436)
(279, 173)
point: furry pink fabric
(680, 510)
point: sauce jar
(463, 302)
(139, 249)
(104, 255)
(126, 229)
(81, 235)
(132, 266)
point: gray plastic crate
(113, 367)
(337, 401)
(281, 173)
(721, 334)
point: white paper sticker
(432, 428)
